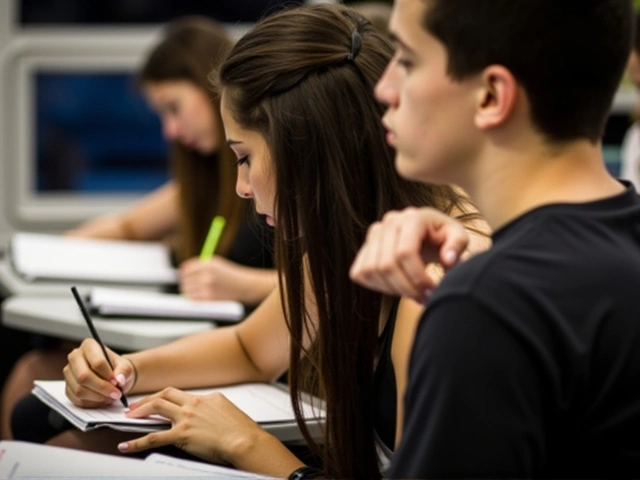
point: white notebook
(107, 301)
(191, 467)
(22, 460)
(267, 404)
(36, 256)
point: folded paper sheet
(108, 301)
(36, 256)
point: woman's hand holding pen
(208, 426)
(90, 381)
(213, 279)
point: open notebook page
(266, 404)
(21, 460)
(193, 466)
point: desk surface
(12, 284)
(61, 317)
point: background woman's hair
(377, 12)
(636, 31)
(191, 48)
(290, 80)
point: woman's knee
(41, 364)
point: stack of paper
(116, 302)
(37, 256)
(267, 404)
(17, 462)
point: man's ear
(496, 98)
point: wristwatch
(305, 472)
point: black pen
(96, 337)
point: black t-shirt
(384, 384)
(527, 361)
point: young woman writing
(299, 112)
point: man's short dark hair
(636, 32)
(569, 55)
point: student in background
(174, 81)
(299, 112)
(526, 361)
(630, 159)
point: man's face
(429, 117)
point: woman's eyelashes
(169, 109)
(242, 160)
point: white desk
(60, 317)
(12, 284)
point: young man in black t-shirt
(526, 362)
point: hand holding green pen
(213, 237)
(195, 273)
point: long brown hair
(290, 79)
(191, 47)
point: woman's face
(255, 168)
(186, 114)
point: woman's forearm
(254, 350)
(262, 282)
(203, 360)
(264, 454)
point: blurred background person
(173, 79)
(630, 159)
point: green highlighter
(213, 237)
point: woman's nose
(243, 188)
(170, 129)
